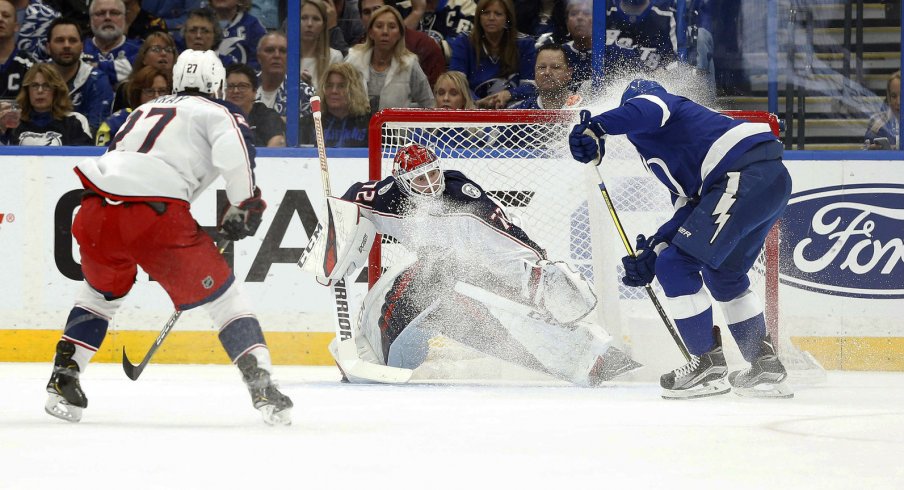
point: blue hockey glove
(641, 269)
(237, 222)
(587, 140)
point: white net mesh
(522, 160)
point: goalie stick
(621, 233)
(133, 371)
(346, 349)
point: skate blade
(766, 390)
(710, 388)
(57, 406)
(272, 417)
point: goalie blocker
(340, 245)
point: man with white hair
(109, 49)
(136, 212)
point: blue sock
(749, 334)
(697, 332)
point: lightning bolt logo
(725, 203)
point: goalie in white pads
(477, 278)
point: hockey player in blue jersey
(728, 186)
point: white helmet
(200, 70)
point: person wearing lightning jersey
(729, 186)
(461, 235)
(136, 211)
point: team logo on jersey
(241, 120)
(470, 190)
(846, 241)
(207, 282)
(385, 189)
(49, 138)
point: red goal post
(519, 134)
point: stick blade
(133, 372)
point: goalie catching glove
(237, 222)
(558, 290)
(588, 140)
(640, 269)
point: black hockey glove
(237, 222)
(587, 140)
(641, 269)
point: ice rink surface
(187, 427)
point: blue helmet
(639, 86)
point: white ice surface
(185, 427)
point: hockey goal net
(522, 160)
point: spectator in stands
(267, 127)
(647, 29)
(701, 43)
(316, 53)
(554, 82)
(536, 18)
(272, 54)
(202, 31)
(158, 50)
(146, 84)
(47, 118)
(886, 123)
(34, 19)
(390, 72)
(346, 109)
(266, 11)
(574, 37)
(428, 52)
(173, 12)
(140, 22)
(451, 91)
(344, 23)
(109, 49)
(494, 56)
(241, 32)
(89, 90)
(13, 62)
(440, 19)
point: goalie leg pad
(559, 290)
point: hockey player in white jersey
(477, 278)
(136, 212)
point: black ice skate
(612, 364)
(65, 398)
(765, 378)
(703, 376)
(275, 407)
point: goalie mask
(417, 171)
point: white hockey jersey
(171, 149)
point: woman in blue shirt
(494, 56)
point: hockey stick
(346, 350)
(132, 371)
(649, 287)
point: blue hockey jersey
(240, 38)
(484, 78)
(686, 146)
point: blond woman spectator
(390, 72)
